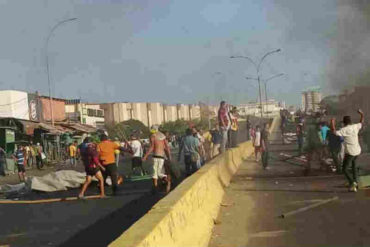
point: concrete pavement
(255, 199)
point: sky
(168, 51)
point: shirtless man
(161, 150)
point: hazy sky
(167, 51)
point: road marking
(64, 199)
(307, 201)
(308, 207)
(270, 234)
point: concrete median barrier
(186, 216)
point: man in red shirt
(224, 123)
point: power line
(15, 102)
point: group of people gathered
(323, 140)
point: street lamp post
(47, 63)
(265, 81)
(257, 67)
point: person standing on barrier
(265, 145)
(191, 147)
(352, 147)
(224, 123)
(300, 138)
(234, 127)
(216, 141)
(161, 150)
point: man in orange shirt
(106, 149)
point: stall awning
(29, 126)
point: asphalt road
(77, 223)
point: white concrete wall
(14, 104)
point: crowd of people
(321, 140)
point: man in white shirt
(351, 145)
(137, 154)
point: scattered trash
(276, 182)
(268, 234)
(226, 204)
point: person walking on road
(106, 150)
(72, 154)
(224, 123)
(2, 161)
(90, 159)
(313, 147)
(137, 154)
(191, 147)
(160, 149)
(39, 156)
(335, 149)
(265, 145)
(249, 126)
(19, 158)
(300, 138)
(352, 147)
(257, 143)
(117, 152)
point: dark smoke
(350, 64)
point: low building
(85, 113)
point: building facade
(148, 113)
(85, 113)
(270, 108)
(311, 100)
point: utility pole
(258, 67)
(47, 64)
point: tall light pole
(47, 62)
(265, 81)
(258, 67)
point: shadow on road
(107, 229)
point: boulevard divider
(186, 216)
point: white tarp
(55, 181)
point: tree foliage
(125, 129)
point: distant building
(148, 113)
(270, 108)
(311, 100)
(85, 113)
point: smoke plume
(350, 63)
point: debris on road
(308, 207)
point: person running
(161, 150)
(106, 150)
(20, 161)
(257, 142)
(191, 147)
(72, 153)
(224, 124)
(265, 145)
(90, 159)
(137, 154)
(352, 147)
